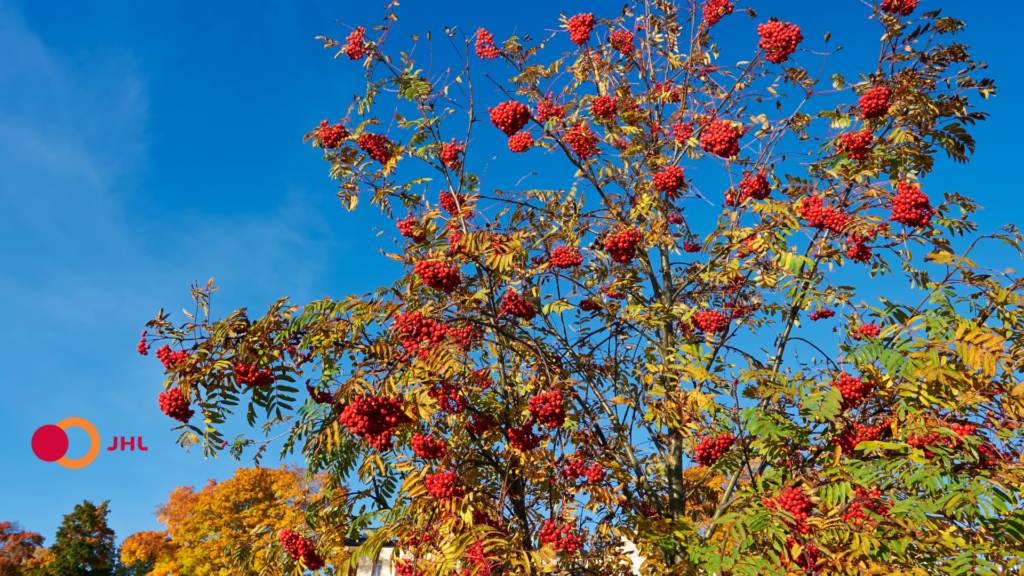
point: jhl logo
(50, 443)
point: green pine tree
(84, 545)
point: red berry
(170, 359)
(669, 181)
(251, 375)
(374, 419)
(853, 390)
(818, 215)
(451, 154)
(714, 10)
(566, 257)
(447, 201)
(523, 438)
(547, 110)
(438, 276)
(485, 47)
(779, 40)
(427, 447)
(857, 145)
(509, 117)
(722, 139)
(173, 404)
(376, 146)
(548, 409)
(821, 314)
(301, 549)
(604, 107)
(622, 245)
(911, 207)
(418, 334)
(622, 40)
(142, 347)
(520, 142)
(712, 448)
(710, 321)
(874, 103)
(857, 250)
(901, 7)
(580, 27)
(331, 136)
(515, 305)
(589, 305)
(356, 47)
(682, 132)
(582, 141)
(408, 228)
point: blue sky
(146, 146)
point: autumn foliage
(561, 371)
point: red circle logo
(50, 442)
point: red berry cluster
(588, 305)
(722, 139)
(547, 409)
(376, 146)
(356, 47)
(911, 207)
(779, 40)
(853, 390)
(714, 10)
(818, 215)
(170, 358)
(320, 397)
(667, 91)
(681, 132)
(691, 247)
(580, 27)
(419, 334)
(622, 245)
(523, 438)
(560, 538)
(465, 336)
(848, 439)
(869, 330)
(712, 448)
(791, 500)
(547, 110)
(710, 321)
(755, 186)
(443, 485)
(669, 181)
(857, 250)
(674, 218)
(809, 560)
(174, 405)
(407, 228)
(514, 304)
(566, 257)
(447, 201)
(485, 47)
(614, 294)
(604, 107)
(821, 314)
(510, 117)
(449, 398)
(901, 7)
(451, 154)
(866, 503)
(301, 549)
(622, 40)
(520, 142)
(251, 375)
(874, 103)
(143, 348)
(480, 425)
(374, 419)
(582, 141)
(438, 276)
(331, 136)
(857, 145)
(427, 447)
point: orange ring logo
(50, 443)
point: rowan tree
(231, 527)
(560, 370)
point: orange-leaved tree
(17, 547)
(232, 526)
(560, 370)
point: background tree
(17, 546)
(737, 390)
(228, 525)
(84, 545)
